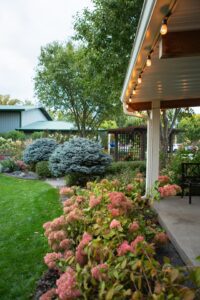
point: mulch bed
(46, 282)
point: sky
(25, 26)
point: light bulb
(139, 79)
(134, 91)
(130, 100)
(127, 106)
(149, 61)
(163, 29)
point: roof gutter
(145, 18)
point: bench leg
(182, 193)
(190, 194)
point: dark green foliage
(39, 150)
(125, 171)
(37, 135)
(42, 169)
(81, 156)
(9, 165)
(174, 169)
(119, 166)
(14, 135)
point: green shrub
(79, 156)
(15, 135)
(39, 150)
(37, 135)
(9, 165)
(42, 169)
(185, 154)
(120, 166)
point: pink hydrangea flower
(98, 272)
(67, 285)
(123, 248)
(48, 295)
(65, 244)
(66, 191)
(133, 227)
(80, 199)
(94, 201)
(67, 254)
(118, 200)
(134, 243)
(68, 202)
(57, 223)
(74, 215)
(50, 259)
(59, 235)
(161, 238)
(115, 224)
(115, 212)
(81, 257)
(129, 187)
(163, 179)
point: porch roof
(173, 78)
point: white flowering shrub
(39, 150)
(79, 156)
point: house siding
(9, 121)
(31, 116)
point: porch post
(109, 141)
(153, 143)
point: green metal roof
(49, 126)
(17, 107)
(24, 108)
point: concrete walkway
(182, 223)
(56, 182)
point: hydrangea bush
(79, 156)
(39, 150)
(104, 247)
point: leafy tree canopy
(191, 125)
(7, 100)
(66, 80)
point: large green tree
(67, 81)
(108, 32)
(85, 81)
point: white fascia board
(145, 18)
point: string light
(163, 29)
(134, 91)
(127, 106)
(130, 100)
(149, 61)
(140, 79)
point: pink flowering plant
(164, 188)
(104, 246)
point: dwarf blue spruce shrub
(79, 156)
(39, 150)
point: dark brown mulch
(46, 282)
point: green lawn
(24, 206)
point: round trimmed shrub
(79, 156)
(42, 169)
(39, 150)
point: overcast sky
(25, 26)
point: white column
(109, 141)
(153, 145)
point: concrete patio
(182, 223)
